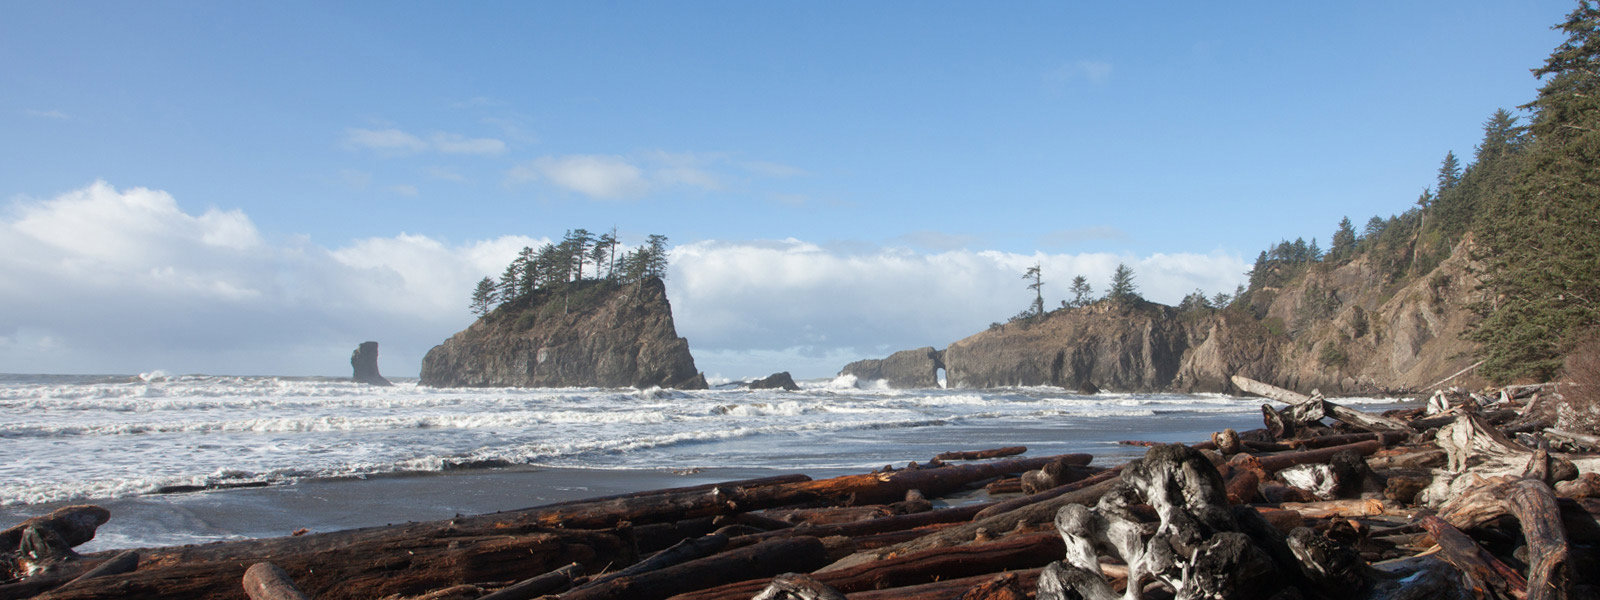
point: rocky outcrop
(775, 381)
(905, 369)
(364, 361)
(590, 333)
(1342, 329)
(1118, 346)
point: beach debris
(1470, 501)
(265, 581)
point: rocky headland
(590, 333)
(1345, 328)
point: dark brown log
(679, 553)
(1387, 437)
(869, 488)
(756, 520)
(1040, 512)
(265, 581)
(1002, 587)
(873, 527)
(1277, 493)
(1242, 486)
(1354, 418)
(829, 515)
(1054, 475)
(761, 560)
(920, 567)
(549, 583)
(74, 524)
(1586, 485)
(1009, 485)
(1274, 462)
(1016, 503)
(404, 560)
(947, 589)
(1534, 504)
(982, 454)
(1485, 572)
(123, 562)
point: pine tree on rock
(483, 298)
(1122, 287)
(1037, 308)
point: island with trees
(572, 313)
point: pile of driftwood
(1467, 498)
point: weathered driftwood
(1039, 512)
(1365, 507)
(896, 523)
(1054, 475)
(265, 581)
(1485, 572)
(948, 589)
(797, 586)
(1354, 418)
(1295, 419)
(405, 560)
(914, 568)
(761, 560)
(981, 454)
(553, 582)
(679, 553)
(1533, 503)
(1228, 442)
(1197, 550)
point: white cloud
(386, 141)
(395, 142)
(126, 281)
(735, 299)
(450, 143)
(48, 114)
(595, 176)
(106, 280)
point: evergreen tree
(1374, 228)
(483, 298)
(1314, 252)
(1344, 240)
(578, 242)
(1541, 243)
(1196, 300)
(1449, 173)
(1221, 300)
(656, 259)
(508, 283)
(1122, 287)
(1037, 308)
(1501, 136)
(604, 247)
(1082, 294)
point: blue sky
(817, 163)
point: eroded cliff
(1344, 329)
(589, 333)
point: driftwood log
(1352, 417)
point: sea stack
(583, 334)
(365, 363)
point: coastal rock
(775, 381)
(364, 361)
(1120, 346)
(589, 333)
(1344, 328)
(906, 369)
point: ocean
(194, 458)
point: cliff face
(1345, 330)
(917, 368)
(1110, 345)
(591, 334)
